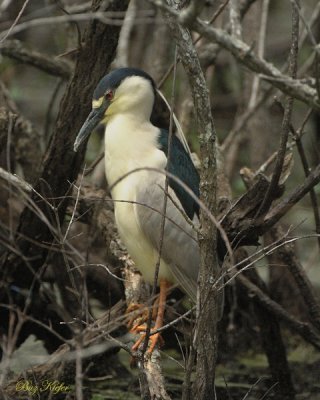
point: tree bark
(205, 340)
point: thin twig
(88, 265)
(296, 5)
(243, 120)
(217, 13)
(75, 23)
(313, 196)
(79, 373)
(94, 164)
(234, 17)
(212, 19)
(302, 328)
(277, 212)
(26, 187)
(261, 46)
(287, 255)
(290, 146)
(8, 161)
(15, 180)
(191, 12)
(285, 129)
(73, 212)
(244, 54)
(49, 113)
(9, 343)
(104, 17)
(11, 29)
(122, 57)
(316, 47)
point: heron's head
(124, 90)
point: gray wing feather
(180, 248)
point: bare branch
(234, 16)
(15, 180)
(302, 328)
(190, 13)
(313, 196)
(285, 129)
(26, 139)
(288, 257)
(15, 49)
(121, 59)
(206, 328)
(244, 54)
(277, 212)
(261, 45)
(108, 18)
(11, 29)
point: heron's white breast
(130, 144)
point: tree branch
(14, 49)
(277, 212)
(206, 327)
(288, 257)
(244, 54)
(286, 122)
(301, 328)
(313, 196)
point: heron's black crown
(114, 79)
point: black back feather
(181, 165)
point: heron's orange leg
(164, 285)
(138, 314)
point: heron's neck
(130, 142)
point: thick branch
(206, 327)
(14, 49)
(240, 223)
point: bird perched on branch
(136, 162)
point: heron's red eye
(109, 95)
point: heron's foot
(153, 339)
(139, 314)
(158, 314)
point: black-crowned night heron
(123, 102)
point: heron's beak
(90, 123)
